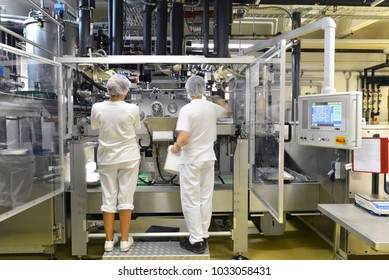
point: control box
(330, 120)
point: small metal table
(371, 229)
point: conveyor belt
(164, 250)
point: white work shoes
(125, 245)
(108, 246)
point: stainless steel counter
(371, 229)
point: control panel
(330, 120)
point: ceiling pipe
(116, 39)
(85, 16)
(206, 51)
(177, 28)
(147, 24)
(222, 28)
(161, 28)
(355, 3)
(110, 24)
(328, 25)
(223, 20)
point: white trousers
(118, 183)
(196, 184)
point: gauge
(172, 108)
(156, 108)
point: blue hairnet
(118, 85)
(195, 86)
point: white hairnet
(118, 85)
(195, 86)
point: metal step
(155, 250)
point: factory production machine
(266, 167)
(46, 98)
(73, 203)
(57, 146)
(159, 97)
(64, 146)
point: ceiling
(359, 25)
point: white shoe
(108, 246)
(125, 245)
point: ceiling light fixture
(376, 2)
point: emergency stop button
(340, 140)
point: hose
(150, 183)
(145, 148)
(386, 186)
(89, 80)
(160, 174)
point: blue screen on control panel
(326, 114)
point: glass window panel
(267, 118)
(30, 153)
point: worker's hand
(175, 148)
(222, 102)
(216, 98)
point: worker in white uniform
(196, 128)
(118, 158)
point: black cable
(149, 183)
(160, 174)
(332, 191)
(386, 185)
(144, 148)
(89, 80)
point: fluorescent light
(376, 2)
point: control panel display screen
(331, 120)
(326, 114)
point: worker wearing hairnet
(196, 127)
(118, 158)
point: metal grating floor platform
(158, 250)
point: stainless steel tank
(45, 34)
(16, 7)
(70, 39)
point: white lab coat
(118, 153)
(197, 162)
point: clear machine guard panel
(331, 120)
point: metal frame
(79, 192)
(7, 48)
(154, 59)
(370, 229)
(50, 227)
(267, 57)
(240, 196)
(30, 204)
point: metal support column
(78, 198)
(240, 197)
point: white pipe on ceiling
(328, 25)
